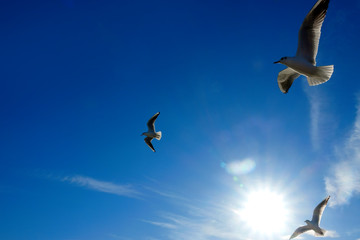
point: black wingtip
(283, 90)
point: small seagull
(304, 62)
(150, 134)
(315, 221)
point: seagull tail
(323, 74)
(158, 135)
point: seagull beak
(276, 62)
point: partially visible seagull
(304, 62)
(315, 221)
(150, 134)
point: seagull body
(151, 133)
(304, 63)
(315, 221)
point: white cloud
(344, 178)
(102, 186)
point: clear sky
(80, 79)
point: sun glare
(264, 212)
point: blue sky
(80, 79)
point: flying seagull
(150, 134)
(304, 62)
(315, 221)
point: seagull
(150, 134)
(315, 221)
(304, 62)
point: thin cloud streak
(344, 178)
(102, 186)
(315, 114)
(321, 120)
(165, 194)
(202, 221)
(198, 220)
(201, 228)
(331, 234)
(161, 224)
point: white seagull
(150, 134)
(315, 221)
(304, 62)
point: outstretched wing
(299, 231)
(150, 123)
(318, 211)
(286, 78)
(310, 31)
(148, 142)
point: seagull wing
(299, 231)
(150, 123)
(318, 211)
(310, 30)
(286, 78)
(148, 142)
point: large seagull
(315, 221)
(304, 63)
(150, 134)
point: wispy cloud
(344, 177)
(353, 232)
(203, 220)
(315, 107)
(210, 226)
(165, 194)
(161, 224)
(332, 234)
(102, 186)
(196, 219)
(320, 119)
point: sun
(264, 212)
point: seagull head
(142, 134)
(307, 222)
(282, 60)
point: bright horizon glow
(264, 212)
